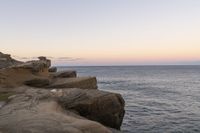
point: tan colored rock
(79, 82)
(17, 75)
(37, 66)
(13, 77)
(35, 112)
(47, 61)
(38, 110)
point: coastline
(61, 94)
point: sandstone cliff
(36, 99)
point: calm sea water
(158, 98)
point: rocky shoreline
(35, 98)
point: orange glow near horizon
(115, 51)
(109, 55)
(129, 32)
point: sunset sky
(102, 32)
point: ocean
(158, 98)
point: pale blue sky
(102, 32)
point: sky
(102, 32)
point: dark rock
(37, 82)
(42, 58)
(104, 107)
(79, 82)
(53, 69)
(64, 74)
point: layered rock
(6, 61)
(79, 82)
(36, 66)
(18, 75)
(35, 111)
(104, 107)
(32, 99)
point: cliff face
(6, 61)
(34, 98)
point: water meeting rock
(35, 101)
(104, 107)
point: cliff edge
(35, 98)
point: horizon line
(125, 65)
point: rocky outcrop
(104, 107)
(35, 66)
(35, 111)
(79, 82)
(53, 69)
(6, 61)
(20, 74)
(43, 110)
(32, 99)
(64, 74)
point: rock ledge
(36, 99)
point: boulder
(37, 111)
(104, 107)
(79, 82)
(53, 69)
(64, 74)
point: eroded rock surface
(6, 61)
(35, 111)
(17, 75)
(34, 100)
(79, 82)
